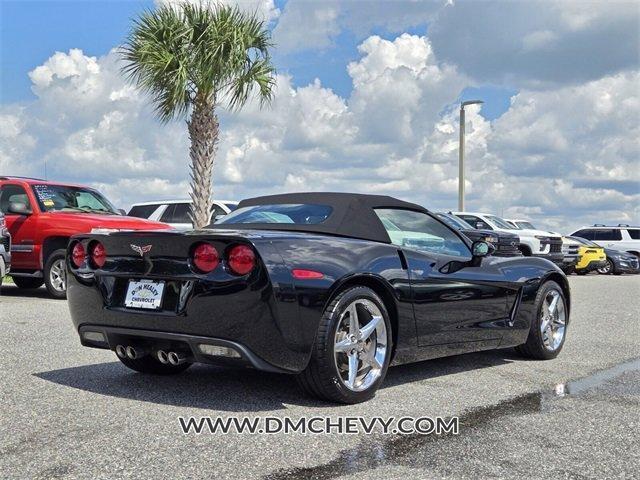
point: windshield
(65, 198)
(500, 223)
(526, 225)
(453, 221)
(298, 214)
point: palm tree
(192, 59)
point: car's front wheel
(548, 325)
(55, 274)
(607, 269)
(352, 351)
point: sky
(367, 100)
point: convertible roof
(352, 214)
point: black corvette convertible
(332, 287)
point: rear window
(142, 211)
(607, 234)
(634, 233)
(296, 214)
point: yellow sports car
(592, 256)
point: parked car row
(41, 216)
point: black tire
(55, 258)
(149, 364)
(321, 378)
(27, 282)
(581, 272)
(534, 346)
(611, 268)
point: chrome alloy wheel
(58, 275)
(360, 345)
(606, 269)
(552, 320)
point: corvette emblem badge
(140, 250)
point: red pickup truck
(42, 215)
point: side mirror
(481, 249)
(218, 217)
(122, 212)
(19, 208)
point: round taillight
(98, 255)
(205, 257)
(77, 255)
(241, 259)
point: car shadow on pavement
(13, 291)
(241, 390)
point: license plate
(144, 294)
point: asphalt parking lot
(73, 412)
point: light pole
(461, 154)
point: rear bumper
(245, 316)
(152, 340)
(592, 266)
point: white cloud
(537, 43)
(562, 156)
(266, 9)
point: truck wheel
(352, 350)
(55, 274)
(27, 282)
(548, 325)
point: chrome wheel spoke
(353, 370)
(369, 328)
(344, 346)
(354, 325)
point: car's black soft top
(352, 214)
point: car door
(467, 305)
(23, 228)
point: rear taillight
(98, 255)
(241, 259)
(205, 258)
(77, 255)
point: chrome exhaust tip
(133, 352)
(121, 351)
(176, 358)
(162, 356)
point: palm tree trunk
(203, 133)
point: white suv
(532, 242)
(622, 237)
(176, 212)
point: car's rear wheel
(549, 325)
(352, 351)
(27, 282)
(149, 364)
(607, 269)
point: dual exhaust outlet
(133, 353)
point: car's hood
(98, 220)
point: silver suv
(621, 237)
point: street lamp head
(470, 102)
